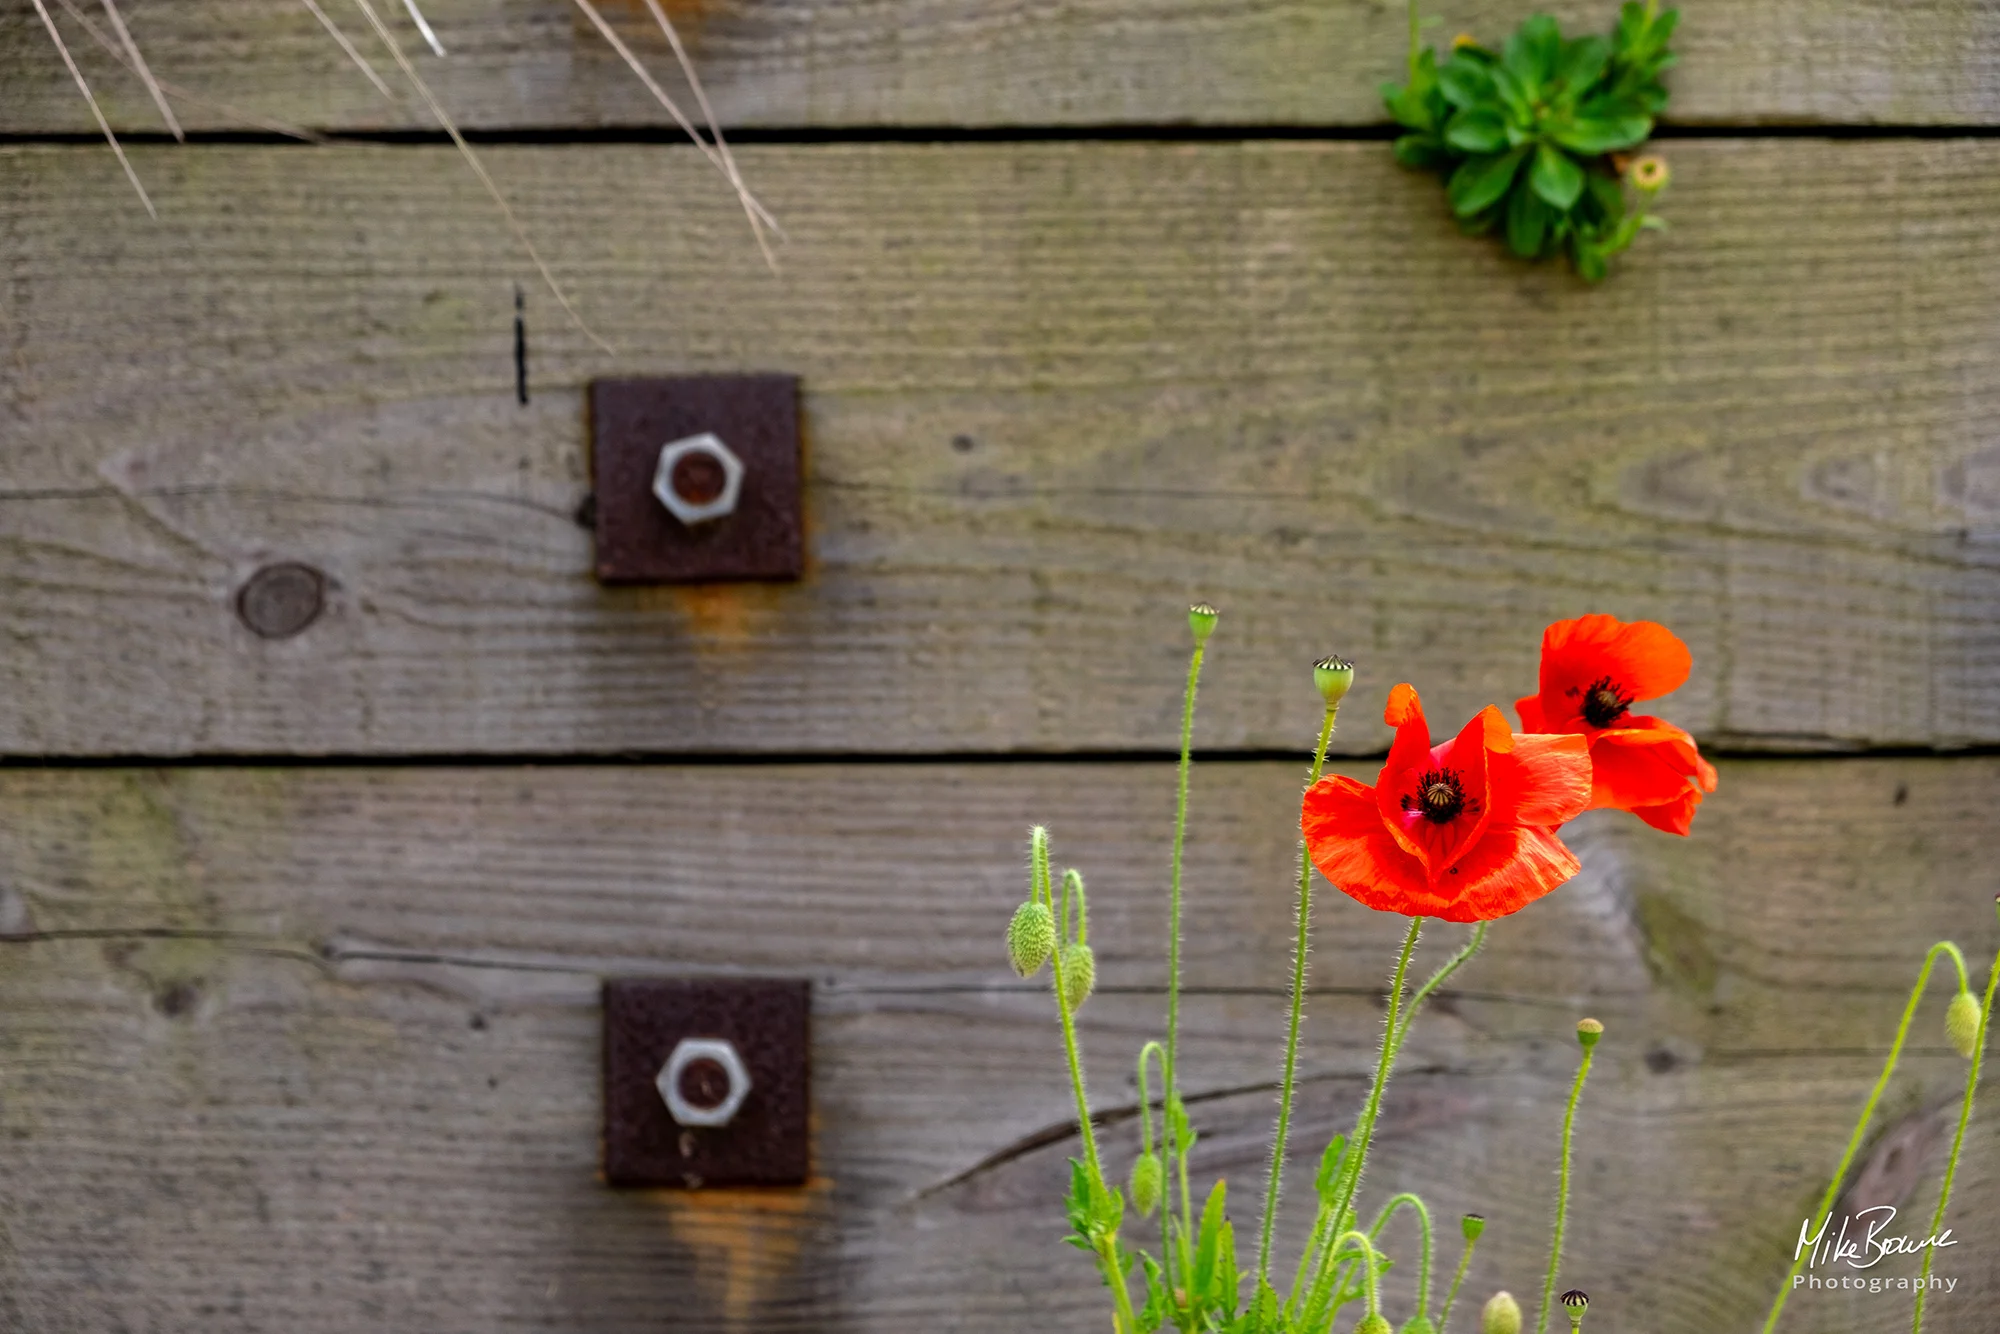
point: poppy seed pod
(1576, 1301)
(1333, 678)
(1373, 1323)
(1201, 620)
(1961, 1024)
(1588, 1031)
(1079, 974)
(1031, 938)
(1501, 1316)
(1147, 1178)
(1472, 1225)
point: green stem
(1114, 1278)
(1416, 37)
(1861, 1126)
(1562, 1193)
(1287, 1085)
(1957, 1141)
(1368, 1273)
(1424, 1262)
(1364, 1126)
(1458, 1277)
(1176, 1152)
(1451, 965)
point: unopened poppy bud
(1373, 1323)
(1588, 1031)
(1501, 1316)
(1419, 1324)
(1576, 1301)
(1147, 1178)
(1079, 974)
(1031, 938)
(1651, 173)
(1333, 677)
(1201, 620)
(1961, 1024)
(1472, 1225)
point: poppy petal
(1511, 868)
(1643, 659)
(1530, 710)
(1438, 843)
(1409, 756)
(1546, 781)
(1673, 817)
(1355, 851)
(1625, 776)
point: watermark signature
(1863, 1242)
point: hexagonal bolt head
(706, 446)
(687, 1052)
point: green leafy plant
(1528, 138)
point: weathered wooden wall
(289, 1044)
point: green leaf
(1583, 61)
(1591, 136)
(1227, 1276)
(1480, 181)
(1477, 131)
(1556, 177)
(1424, 150)
(1207, 1244)
(1517, 97)
(1465, 81)
(1527, 224)
(1532, 52)
(1327, 1181)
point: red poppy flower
(1465, 831)
(1594, 669)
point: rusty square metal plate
(756, 417)
(766, 1022)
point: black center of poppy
(1440, 796)
(1604, 703)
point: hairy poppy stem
(1457, 1278)
(1369, 1277)
(1286, 1087)
(1957, 1140)
(1825, 1209)
(1562, 1192)
(1364, 1125)
(1170, 1137)
(1424, 1260)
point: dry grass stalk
(193, 99)
(48, 21)
(138, 63)
(417, 16)
(717, 154)
(360, 60)
(478, 169)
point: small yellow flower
(1651, 174)
(1463, 40)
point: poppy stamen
(1440, 796)
(1605, 702)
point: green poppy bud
(1588, 1031)
(1501, 1316)
(1373, 1323)
(1201, 620)
(1333, 677)
(1471, 1225)
(1576, 1301)
(1961, 1024)
(1419, 1324)
(1148, 1178)
(1031, 938)
(1079, 974)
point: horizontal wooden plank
(799, 63)
(1052, 392)
(317, 1048)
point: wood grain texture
(797, 63)
(316, 1049)
(1052, 394)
